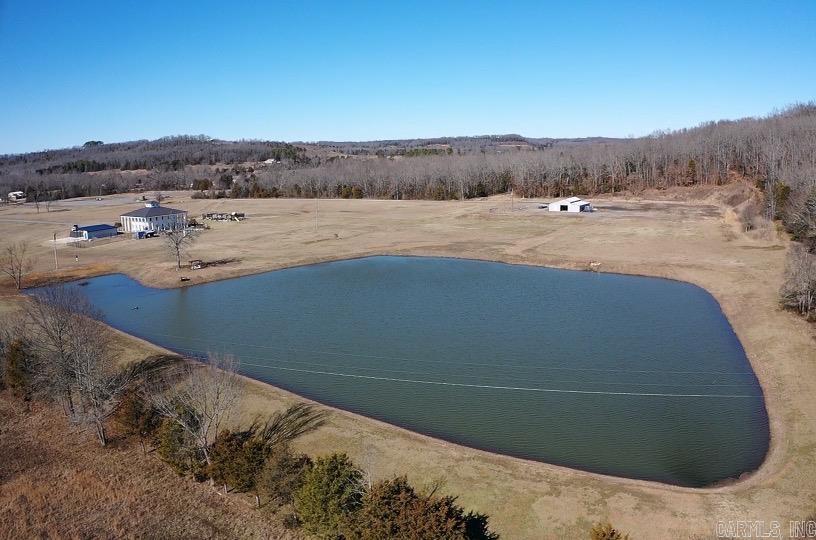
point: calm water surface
(631, 376)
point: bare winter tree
(799, 289)
(101, 384)
(178, 241)
(76, 364)
(55, 317)
(203, 401)
(15, 262)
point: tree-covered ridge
(777, 153)
(167, 153)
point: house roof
(153, 211)
(96, 228)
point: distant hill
(775, 153)
(175, 152)
(460, 145)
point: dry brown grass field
(59, 483)
(687, 235)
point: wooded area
(778, 152)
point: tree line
(161, 153)
(776, 152)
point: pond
(623, 375)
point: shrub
(393, 509)
(282, 475)
(605, 531)
(18, 360)
(331, 492)
(236, 459)
(201, 184)
(291, 521)
(174, 447)
(137, 418)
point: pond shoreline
(720, 485)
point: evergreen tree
(174, 447)
(18, 368)
(691, 171)
(137, 418)
(236, 459)
(282, 475)
(331, 492)
(393, 509)
(481, 191)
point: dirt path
(681, 240)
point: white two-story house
(153, 217)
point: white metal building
(153, 217)
(573, 204)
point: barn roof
(571, 200)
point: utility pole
(56, 265)
(317, 209)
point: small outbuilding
(91, 232)
(17, 197)
(573, 204)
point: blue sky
(118, 70)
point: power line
(511, 366)
(516, 388)
(198, 353)
(492, 387)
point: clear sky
(343, 70)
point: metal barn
(573, 204)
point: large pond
(630, 376)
